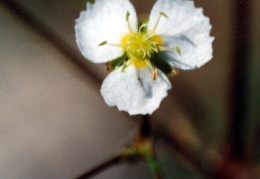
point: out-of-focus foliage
(91, 1)
(82, 3)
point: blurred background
(55, 124)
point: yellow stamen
(124, 67)
(140, 28)
(129, 25)
(115, 45)
(140, 46)
(148, 63)
(155, 26)
(157, 22)
(105, 43)
(163, 48)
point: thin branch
(96, 170)
(254, 149)
(237, 129)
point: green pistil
(141, 46)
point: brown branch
(254, 149)
(237, 130)
(96, 170)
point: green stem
(155, 167)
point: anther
(108, 68)
(178, 50)
(174, 72)
(102, 43)
(154, 74)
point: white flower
(176, 36)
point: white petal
(136, 96)
(186, 27)
(104, 21)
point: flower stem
(155, 166)
(142, 148)
(145, 128)
(147, 148)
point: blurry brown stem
(236, 142)
(101, 167)
(255, 146)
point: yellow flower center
(139, 47)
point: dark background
(55, 124)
